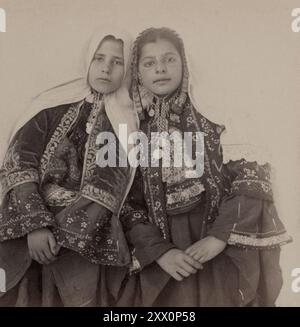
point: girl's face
(107, 67)
(160, 67)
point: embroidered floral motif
(189, 120)
(174, 118)
(89, 236)
(81, 244)
(96, 244)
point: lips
(162, 80)
(105, 80)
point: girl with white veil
(59, 217)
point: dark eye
(119, 62)
(149, 63)
(171, 59)
(100, 59)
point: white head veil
(117, 104)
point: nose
(105, 68)
(161, 67)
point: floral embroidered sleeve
(247, 215)
(87, 228)
(144, 238)
(23, 210)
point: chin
(104, 90)
(162, 92)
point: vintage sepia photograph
(149, 153)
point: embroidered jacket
(44, 183)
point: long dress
(43, 174)
(246, 273)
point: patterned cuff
(20, 216)
(259, 243)
(89, 233)
(11, 180)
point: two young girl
(213, 240)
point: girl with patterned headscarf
(59, 217)
(211, 240)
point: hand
(206, 249)
(42, 246)
(178, 264)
